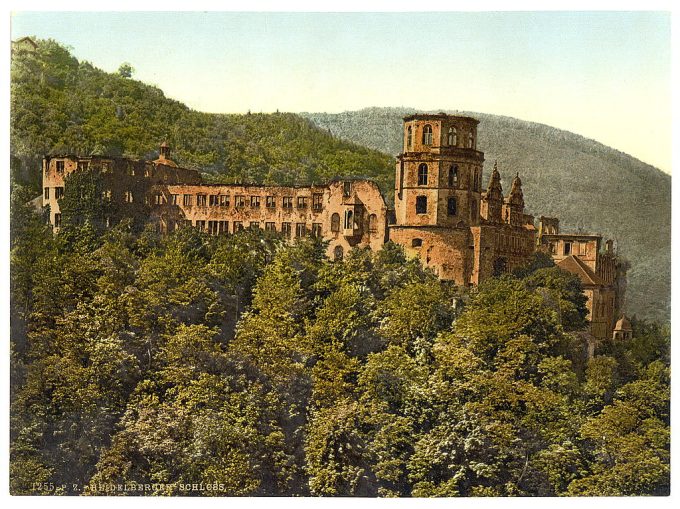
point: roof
(438, 116)
(167, 162)
(623, 324)
(577, 267)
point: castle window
(47, 193)
(239, 201)
(451, 207)
(421, 204)
(417, 243)
(224, 200)
(174, 199)
(427, 134)
(286, 229)
(335, 222)
(409, 137)
(302, 202)
(186, 201)
(475, 186)
(254, 225)
(60, 166)
(567, 248)
(200, 224)
(57, 220)
(58, 193)
(201, 200)
(255, 202)
(316, 230)
(347, 189)
(212, 227)
(373, 223)
(300, 229)
(223, 227)
(473, 210)
(453, 176)
(212, 200)
(238, 226)
(270, 227)
(338, 253)
(317, 201)
(271, 202)
(158, 199)
(287, 202)
(349, 220)
(471, 141)
(82, 165)
(452, 139)
(128, 197)
(422, 175)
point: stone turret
(492, 202)
(514, 203)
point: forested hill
(584, 183)
(60, 105)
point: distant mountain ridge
(589, 186)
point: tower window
(475, 186)
(60, 166)
(421, 204)
(471, 141)
(473, 210)
(453, 176)
(452, 139)
(409, 137)
(427, 135)
(451, 207)
(567, 248)
(347, 189)
(57, 220)
(422, 175)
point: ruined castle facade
(442, 213)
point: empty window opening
(421, 204)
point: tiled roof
(576, 266)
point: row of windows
(58, 193)
(423, 173)
(451, 138)
(223, 227)
(451, 206)
(240, 201)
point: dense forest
(192, 364)
(589, 186)
(238, 365)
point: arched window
(453, 176)
(372, 223)
(409, 137)
(349, 220)
(451, 208)
(338, 253)
(453, 137)
(422, 175)
(471, 141)
(427, 134)
(473, 210)
(335, 222)
(476, 183)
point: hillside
(61, 105)
(584, 183)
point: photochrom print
(399, 254)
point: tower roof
(516, 196)
(623, 324)
(494, 190)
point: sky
(604, 75)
